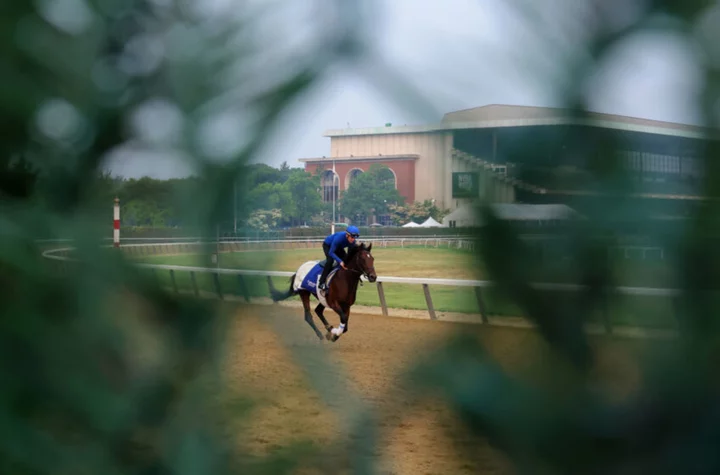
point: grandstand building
(516, 154)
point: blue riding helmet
(353, 231)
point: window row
(659, 163)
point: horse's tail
(278, 295)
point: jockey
(334, 249)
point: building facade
(509, 154)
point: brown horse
(341, 291)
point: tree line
(265, 198)
(270, 198)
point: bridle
(363, 273)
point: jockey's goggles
(355, 235)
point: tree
(259, 174)
(370, 193)
(264, 220)
(327, 212)
(272, 196)
(303, 187)
(144, 213)
(155, 201)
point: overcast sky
(461, 54)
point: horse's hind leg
(305, 297)
(319, 312)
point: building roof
(498, 115)
(520, 113)
(373, 158)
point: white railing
(255, 239)
(146, 246)
(477, 285)
(144, 249)
(159, 245)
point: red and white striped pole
(116, 223)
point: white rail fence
(147, 246)
(156, 246)
(259, 239)
(187, 247)
(477, 285)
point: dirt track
(425, 438)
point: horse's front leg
(335, 333)
(346, 310)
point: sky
(456, 54)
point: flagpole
(334, 192)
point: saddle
(322, 264)
(322, 294)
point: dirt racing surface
(275, 357)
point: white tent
(431, 223)
(411, 224)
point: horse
(342, 287)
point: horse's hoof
(329, 335)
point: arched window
(351, 176)
(388, 175)
(329, 185)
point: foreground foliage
(104, 373)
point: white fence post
(116, 223)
